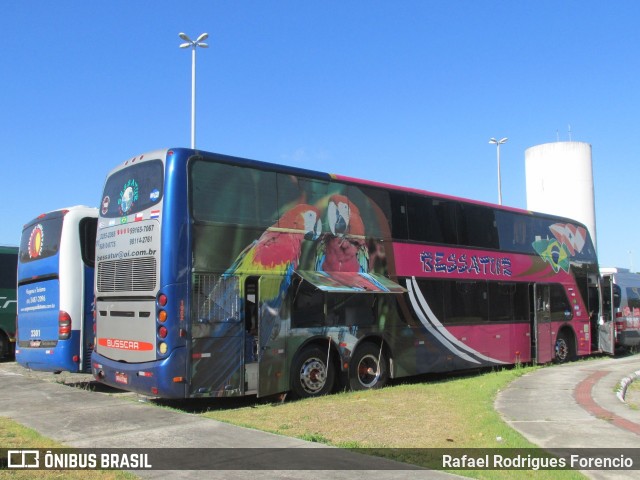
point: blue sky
(405, 92)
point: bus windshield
(41, 239)
(133, 189)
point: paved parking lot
(577, 405)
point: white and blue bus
(55, 291)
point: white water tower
(560, 181)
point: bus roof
(82, 209)
(162, 153)
(605, 270)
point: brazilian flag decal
(553, 252)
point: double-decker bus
(55, 291)
(8, 265)
(621, 305)
(222, 276)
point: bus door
(542, 341)
(251, 336)
(217, 337)
(88, 229)
(273, 376)
(86, 336)
(606, 323)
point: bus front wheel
(564, 349)
(369, 367)
(311, 376)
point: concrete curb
(624, 384)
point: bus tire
(310, 374)
(564, 348)
(369, 367)
(5, 345)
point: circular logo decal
(128, 196)
(35, 241)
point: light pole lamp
(193, 44)
(497, 143)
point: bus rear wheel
(311, 376)
(369, 368)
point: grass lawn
(451, 413)
(15, 436)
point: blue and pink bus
(222, 276)
(55, 291)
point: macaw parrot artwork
(276, 252)
(344, 248)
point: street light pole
(193, 44)
(497, 143)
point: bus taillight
(162, 299)
(64, 325)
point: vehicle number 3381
(35, 333)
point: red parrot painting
(343, 249)
(277, 253)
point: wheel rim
(368, 371)
(313, 375)
(562, 349)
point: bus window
(232, 194)
(399, 227)
(477, 226)
(560, 306)
(466, 302)
(633, 299)
(433, 292)
(35, 245)
(308, 306)
(88, 227)
(431, 220)
(350, 309)
(133, 190)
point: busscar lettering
(123, 344)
